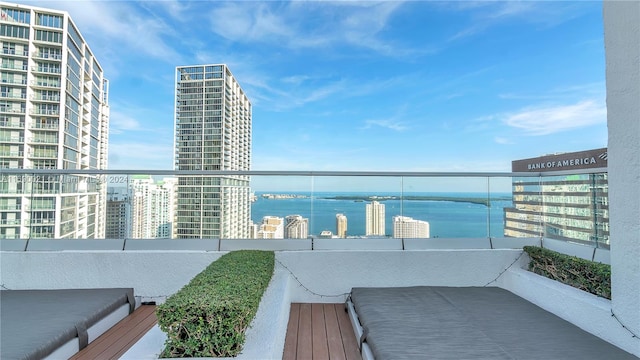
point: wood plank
(346, 331)
(291, 338)
(125, 343)
(121, 336)
(319, 332)
(305, 344)
(334, 340)
(113, 334)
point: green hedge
(208, 316)
(585, 275)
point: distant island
(283, 196)
(480, 201)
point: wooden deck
(117, 340)
(320, 332)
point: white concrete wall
(622, 45)
(587, 311)
(153, 275)
(329, 275)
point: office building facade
(405, 227)
(375, 219)
(573, 207)
(54, 114)
(212, 132)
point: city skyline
(419, 86)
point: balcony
(11, 124)
(12, 139)
(14, 52)
(464, 250)
(6, 95)
(47, 98)
(49, 112)
(12, 153)
(158, 268)
(15, 81)
(10, 110)
(21, 67)
(48, 56)
(45, 84)
(46, 70)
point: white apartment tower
(375, 219)
(212, 132)
(410, 228)
(152, 207)
(296, 227)
(54, 114)
(341, 226)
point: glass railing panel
(500, 197)
(282, 207)
(453, 207)
(58, 204)
(569, 207)
(355, 206)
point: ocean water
(446, 218)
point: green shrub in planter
(208, 317)
(585, 275)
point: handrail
(299, 173)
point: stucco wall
(327, 276)
(152, 274)
(622, 45)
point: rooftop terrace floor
(320, 332)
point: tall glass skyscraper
(557, 205)
(54, 114)
(212, 132)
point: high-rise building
(296, 227)
(152, 207)
(570, 207)
(409, 228)
(118, 219)
(212, 132)
(54, 114)
(341, 225)
(272, 227)
(375, 219)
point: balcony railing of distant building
(487, 207)
(15, 52)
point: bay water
(447, 219)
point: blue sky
(350, 85)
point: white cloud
(502, 140)
(486, 14)
(121, 122)
(278, 23)
(108, 23)
(389, 124)
(138, 155)
(546, 120)
(248, 21)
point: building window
(15, 15)
(48, 20)
(14, 31)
